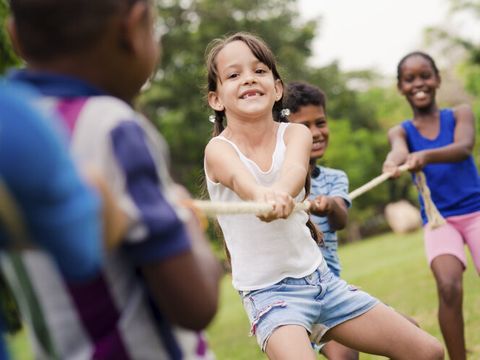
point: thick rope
(435, 219)
(214, 208)
(374, 182)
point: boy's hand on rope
(321, 205)
(282, 203)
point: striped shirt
(329, 182)
(111, 316)
(44, 201)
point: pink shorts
(452, 237)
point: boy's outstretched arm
(186, 286)
(180, 271)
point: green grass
(390, 267)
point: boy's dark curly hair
(300, 94)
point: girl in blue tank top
(440, 143)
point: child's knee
(436, 351)
(450, 292)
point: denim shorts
(317, 302)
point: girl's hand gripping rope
(215, 208)
(282, 204)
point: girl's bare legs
(448, 272)
(382, 331)
(336, 351)
(290, 342)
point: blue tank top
(454, 186)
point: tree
(175, 99)
(469, 50)
(7, 55)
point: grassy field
(390, 267)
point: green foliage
(176, 101)
(469, 69)
(342, 101)
(391, 267)
(9, 310)
(7, 55)
(389, 107)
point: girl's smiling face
(418, 82)
(245, 87)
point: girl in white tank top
(287, 290)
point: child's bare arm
(224, 166)
(333, 207)
(177, 282)
(460, 149)
(184, 288)
(185, 276)
(298, 140)
(464, 136)
(399, 150)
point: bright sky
(370, 33)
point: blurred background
(350, 49)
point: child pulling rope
(213, 208)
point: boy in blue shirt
(89, 73)
(329, 187)
(43, 199)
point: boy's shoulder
(109, 107)
(102, 114)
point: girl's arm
(463, 142)
(399, 150)
(224, 166)
(294, 171)
(333, 207)
(460, 149)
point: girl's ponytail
(217, 123)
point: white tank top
(264, 253)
